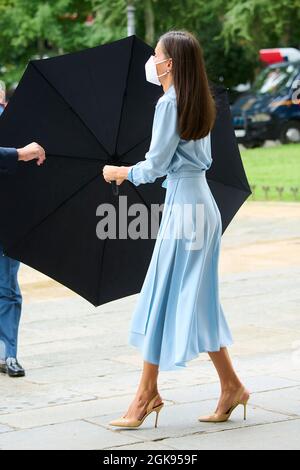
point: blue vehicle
(270, 110)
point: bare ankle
(147, 392)
(231, 386)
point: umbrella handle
(115, 188)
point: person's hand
(115, 173)
(32, 151)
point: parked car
(270, 110)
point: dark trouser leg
(10, 306)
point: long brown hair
(195, 103)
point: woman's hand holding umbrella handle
(32, 151)
(115, 173)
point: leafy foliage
(231, 31)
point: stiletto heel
(245, 411)
(135, 423)
(156, 419)
(240, 400)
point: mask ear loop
(163, 73)
(168, 71)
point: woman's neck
(166, 86)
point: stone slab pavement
(81, 373)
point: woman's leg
(230, 383)
(147, 389)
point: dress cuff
(129, 175)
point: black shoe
(12, 368)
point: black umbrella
(89, 109)
(226, 176)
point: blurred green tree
(37, 28)
(231, 31)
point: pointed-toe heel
(135, 423)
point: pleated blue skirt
(178, 313)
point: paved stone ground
(81, 373)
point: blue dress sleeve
(164, 141)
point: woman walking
(178, 314)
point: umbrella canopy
(89, 109)
(226, 176)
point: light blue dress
(178, 312)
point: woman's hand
(115, 173)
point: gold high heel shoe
(242, 397)
(135, 423)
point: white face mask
(151, 72)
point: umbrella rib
(53, 211)
(136, 145)
(89, 159)
(82, 121)
(246, 187)
(71, 107)
(148, 207)
(246, 190)
(102, 247)
(97, 158)
(126, 84)
(141, 198)
(242, 190)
